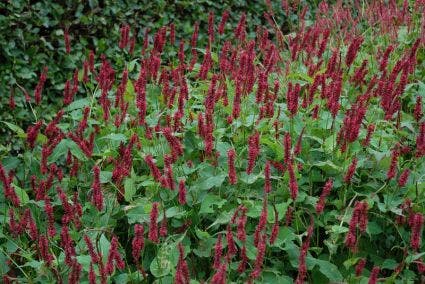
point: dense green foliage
(295, 155)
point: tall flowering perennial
(182, 271)
(373, 278)
(224, 18)
(326, 190)
(33, 132)
(393, 165)
(275, 229)
(420, 141)
(351, 170)
(239, 88)
(218, 251)
(253, 151)
(67, 40)
(114, 257)
(292, 98)
(97, 195)
(9, 190)
(138, 241)
(293, 184)
(267, 182)
(302, 266)
(231, 154)
(416, 222)
(359, 219)
(153, 226)
(182, 192)
(404, 177)
(40, 86)
(417, 112)
(353, 49)
(360, 266)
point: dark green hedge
(31, 36)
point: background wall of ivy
(31, 36)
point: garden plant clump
(256, 156)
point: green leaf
(328, 166)
(62, 148)
(248, 179)
(389, 264)
(105, 176)
(22, 195)
(208, 202)
(411, 258)
(129, 92)
(211, 182)
(300, 76)
(165, 260)
(19, 131)
(78, 104)
(129, 189)
(329, 270)
(115, 137)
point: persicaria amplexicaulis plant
(225, 154)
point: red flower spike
(172, 33)
(404, 177)
(293, 185)
(195, 35)
(211, 27)
(352, 50)
(223, 21)
(93, 254)
(43, 247)
(218, 250)
(244, 260)
(67, 41)
(153, 168)
(360, 266)
(220, 276)
(182, 271)
(12, 103)
(138, 242)
(124, 37)
(416, 222)
(420, 141)
(267, 182)
(417, 112)
(351, 170)
(261, 251)
(163, 229)
(231, 247)
(275, 229)
(92, 275)
(40, 86)
(182, 192)
(370, 130)
(231, 166)
(373, 278)
(253, 151)
(393, 166)
(153, 226)
(32, 133)
(97, 195)
(326, 190)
